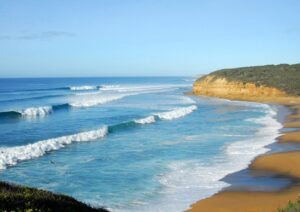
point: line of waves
(131, 88)
(71, 88)
(82, 100)
(10, 156)
(42, 111)
(112, 87)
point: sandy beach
(282, 164)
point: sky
(73, 38)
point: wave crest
(147, 120)
(176, 113)
(36, 111)
(12, 155)
(83, 88)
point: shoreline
(274, 164)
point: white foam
(83, 88)
(95, 99)
(168, 115)
(176, 113)
(186, 182)
(36, 111)
(12, 155)
(147, 120)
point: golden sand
(290, 137)
(247, 201)
(286, 163)
(292, 124)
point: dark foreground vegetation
(284, 77)
(19, 198)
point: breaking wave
(28, 112)
(168, 115)
(176, 113)
(36, 111)
(12, 155)
(32, 112)
(147, 120)
(83, 88)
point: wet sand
(282, 164)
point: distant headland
(251, 83)
(279, 84)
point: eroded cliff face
(220, 87)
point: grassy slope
(20, 198)
(284, 77)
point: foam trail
(83, 88)
(176, 113)
(36, 111)
(188, 181)
(12, 155)
(147, 120)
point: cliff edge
(251, 82)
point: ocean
(127, 143)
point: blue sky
(144, 37)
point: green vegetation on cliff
(19, 198)
(283, 77)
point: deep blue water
(130, 144)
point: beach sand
(290, 137)
(248, 201)
(283, 164)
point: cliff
(251, 82)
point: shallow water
(130, 144)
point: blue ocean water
(129, 144)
